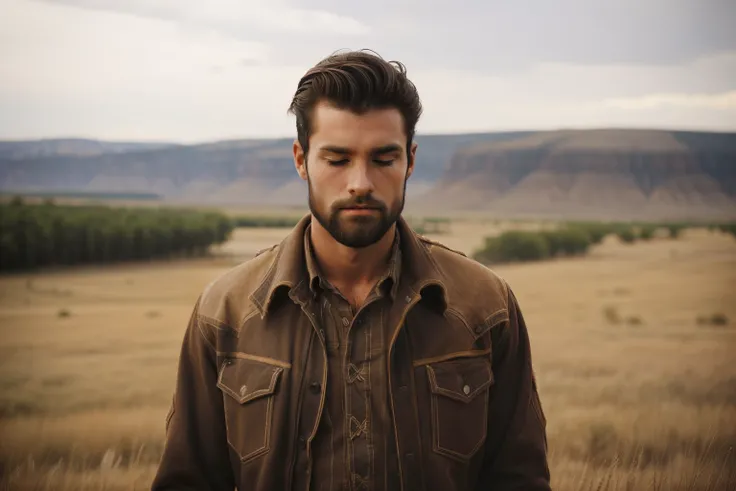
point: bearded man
(356, 354)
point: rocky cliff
(594, 173)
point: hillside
(595, 174)
(75, 147)
(226, 172)
(571, 173)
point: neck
(342, 265)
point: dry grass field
(638, 394)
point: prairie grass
(631, 406)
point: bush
(647, 232)
(596, 232)
(567, 241)
(675, 229)
(627, 235)
(514, 246)
(717, 319)
(611, 314)
(727, 228)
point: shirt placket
(357, 372)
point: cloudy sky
(196, 70)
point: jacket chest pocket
(249, 388)
(459, 399)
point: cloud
(243, 17)
(722, 101)
(478, 35)
(500, 37)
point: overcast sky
(198, 70)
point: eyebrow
(392, 147)
(387, 149)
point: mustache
(359, 202)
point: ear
(412, 159)
(300, 160)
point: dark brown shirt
(353, 445)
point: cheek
(324, 191)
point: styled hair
(358, 81)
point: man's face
(356, 168)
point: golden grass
(647, 405)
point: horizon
(422, 134)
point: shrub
(717, 319)
(627, 235)
(675, 229)
(611, 314)
(727, 228)
(514, 245)
(647, 232)
(568, 241)
(596, 231)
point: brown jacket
(250, 388)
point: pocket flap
(245, 380)
(461, 379)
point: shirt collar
(389, 280)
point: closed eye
(384, 162)
(337, 163)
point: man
(356, 355)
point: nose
(359, 181)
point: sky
(192, 71)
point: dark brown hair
(357, 81)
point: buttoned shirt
(354, 445)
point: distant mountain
(586, 173)
(594, 173)
(76, 147)
(258, 171)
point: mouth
(359, 210)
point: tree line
(47, 234)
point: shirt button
(315, 387)
(303, 442)
(345, 322)
(466, 390)
(408, 299)
(478, 329)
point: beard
(357, 231)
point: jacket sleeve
(516, 449)
(196, 452)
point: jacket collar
(288, 270)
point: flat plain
(633, 348)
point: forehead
(376, 127)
